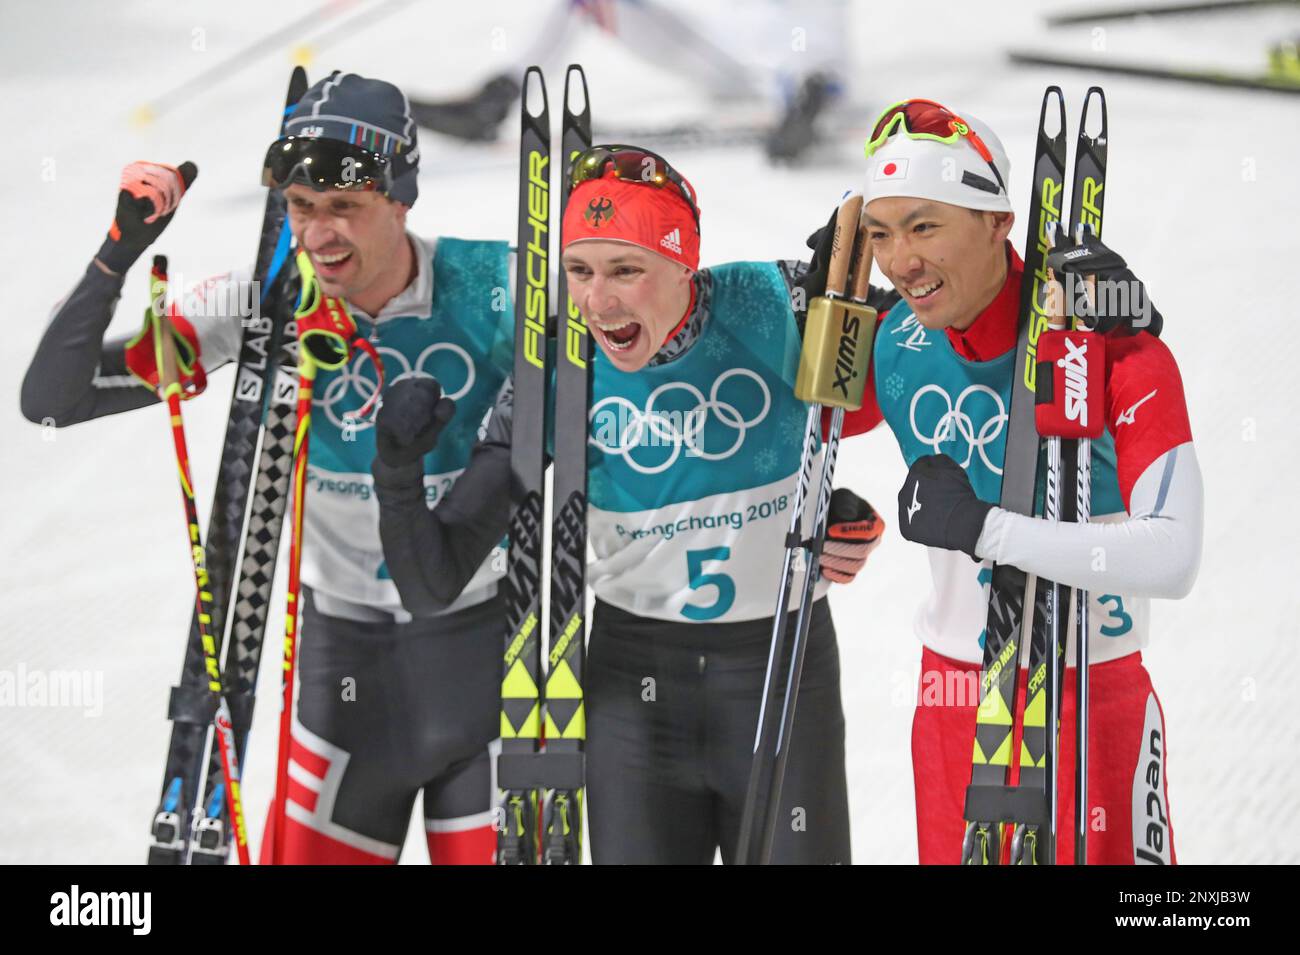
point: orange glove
(852, 533)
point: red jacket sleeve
(1146, 410)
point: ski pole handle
(164, 349)
(169, 376)
(860, 274)
(846, 233)
(1070, 380)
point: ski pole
(326, 334)
(1070, 386)
(1088, 202)
(1027, 840)
(832, 373)
(1083, 497)
(306, 377)
(171, 390)
(1083, 513)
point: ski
(1087, 200)
(1286, 80)
(989, 800)
(190, 706)
(517, 774)
(839, 122)
(1138, 10)
(261, 545)
(565, 710)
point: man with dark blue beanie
(422, 700)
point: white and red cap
(955, 173)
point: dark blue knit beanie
(369, 113)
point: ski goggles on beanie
(629, 194)
(910, 153)
(372, 117)
(326, 164)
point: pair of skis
(191, 825)
(535, 780)
(1030, 808)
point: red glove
(852, 533)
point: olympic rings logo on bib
(352, 387)
(619, 427)
(955, 419)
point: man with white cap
(938, 217)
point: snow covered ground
(94, 578)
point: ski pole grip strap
(141, 354)
(1006, 804)
(1069, 386)
(325, 330)
(540, 771)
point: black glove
(411, 417)
(813, 282)
(1122, 300)
(146, 202)
(937, 506)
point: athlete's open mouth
(619, 336)
(331, 263)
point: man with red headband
(694, 450)
(938, 217)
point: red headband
(655, 219)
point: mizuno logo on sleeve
(1127, 417)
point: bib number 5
(698, 579)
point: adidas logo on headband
(673, 241)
